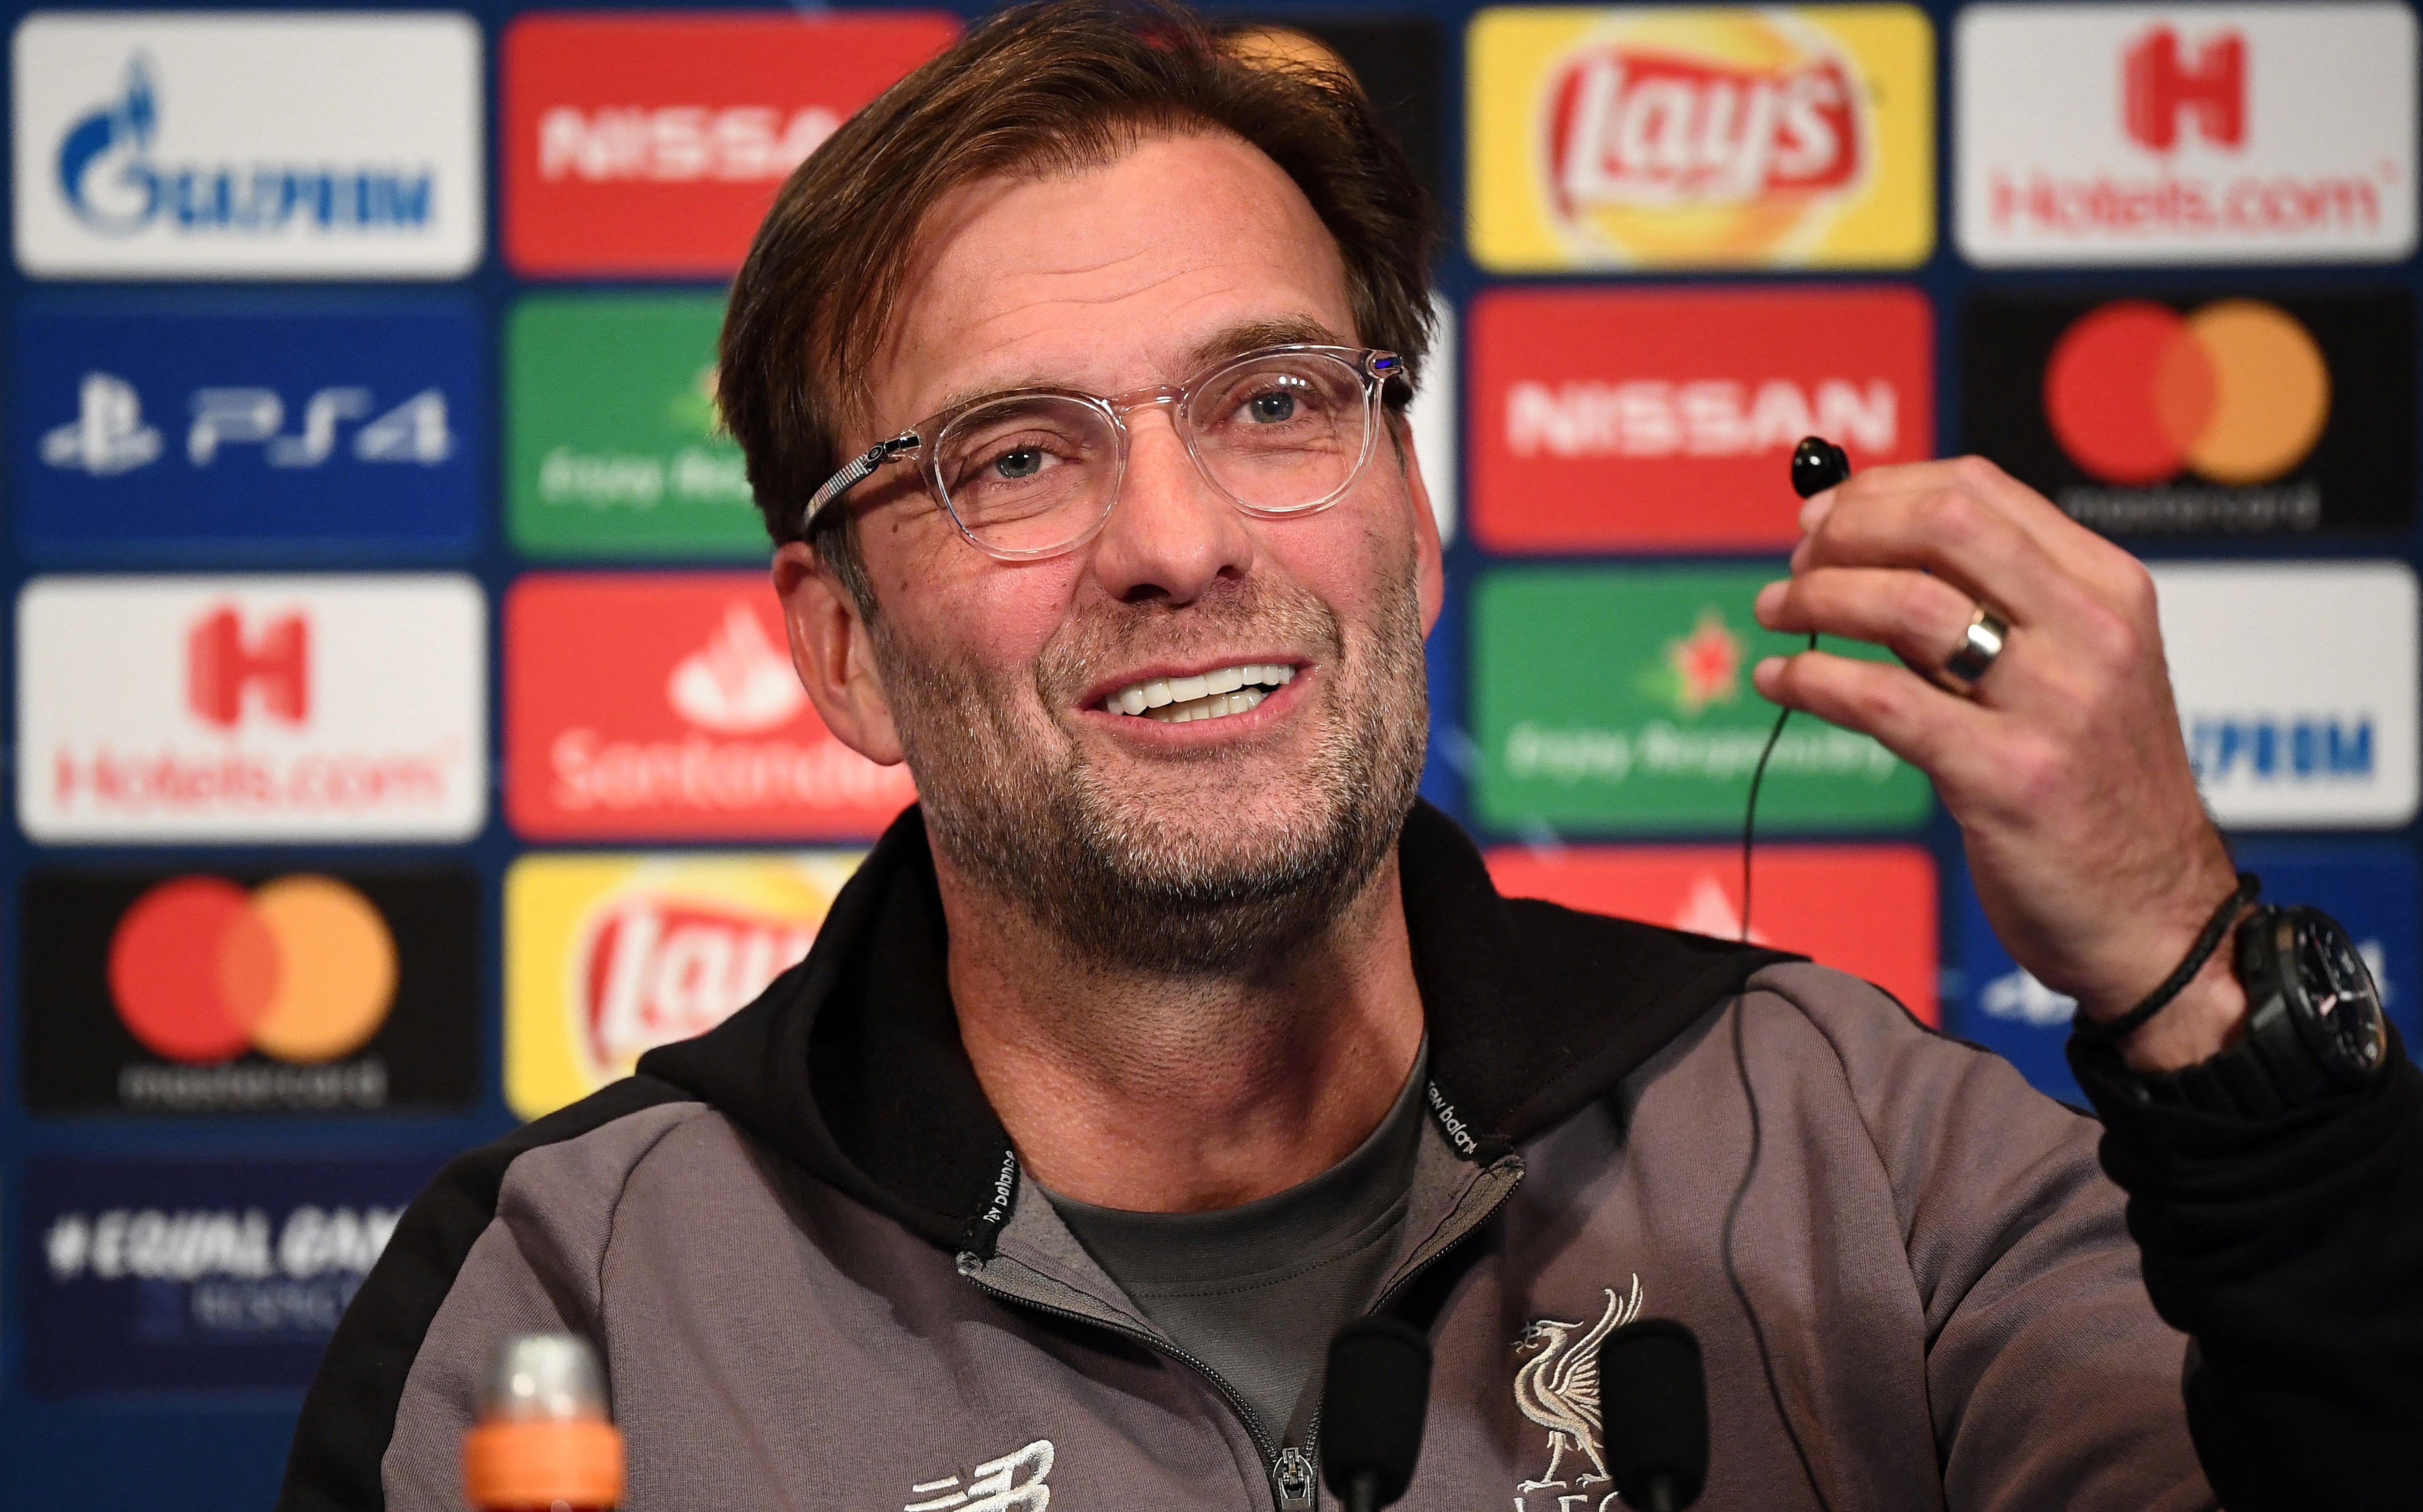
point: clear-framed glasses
(1034, 472)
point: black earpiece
(1818, 464)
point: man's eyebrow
(1229, 341)
(1289, 330)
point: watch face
(2344, 1004)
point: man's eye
(1272, 406)
(1023, 462)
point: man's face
(1179, 845)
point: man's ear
(1429, 556)
(834, 655)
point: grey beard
(1049, 836)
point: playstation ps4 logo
(109, 434)
(111, 180)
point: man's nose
(1171, 534)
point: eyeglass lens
(1278, 434)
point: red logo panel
(665, 705)
(652, 145)
(1866, 909)
(1663, 420)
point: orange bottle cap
(534, 1466)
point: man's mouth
(1212, 695)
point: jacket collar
(851, 1062)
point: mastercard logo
(301, 969)
(2235, 392)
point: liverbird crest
(1557, 1387)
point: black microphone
(1652, 1408)
(1371, 1410)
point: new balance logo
(221, 667)
(2160, 86)
(1013, 1483)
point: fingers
(1918, 618)
(1969, 521)
(1907, 716)
(1935, 522)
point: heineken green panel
(613, 447)
(1618, 700)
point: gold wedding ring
(1980, 644)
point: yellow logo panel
(608, 956)
(1639, 136)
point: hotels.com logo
(2160, 89)
(2129, 133)
(221, 667)
(251, 708)
(1748, 125)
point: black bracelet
(2250, 887)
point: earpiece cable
(1816, 465)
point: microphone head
(1372, 1405)
(1653, 1406)
(1818, 464)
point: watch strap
(2269, 1071)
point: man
(1171, 1031)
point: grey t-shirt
(1255, 1291)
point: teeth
(1213, 707)
(1206, 695)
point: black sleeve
(2290, 1252)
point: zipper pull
(1293, 1473)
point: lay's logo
(609, 957)
(1657, 137)
(1645, 128)
(657, 969)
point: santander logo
(664, 704)
(655, 969)
(737, 684)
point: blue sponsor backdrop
(157, 1417)
(2367, 885)
(151, 1275)
(218, 428)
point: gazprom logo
(2271, 749)
(114, 183)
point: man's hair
(1059, 87)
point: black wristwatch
(2314, 1024)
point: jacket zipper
(1272, 1457)
(1379, 1304)
(1291, 1469)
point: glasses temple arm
(857, 471)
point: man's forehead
(1124, 274)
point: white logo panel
(2296, 688)
(247, 145)
(1431, 417)
(2098, 133)
(242, 708)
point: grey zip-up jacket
(820, 1279)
